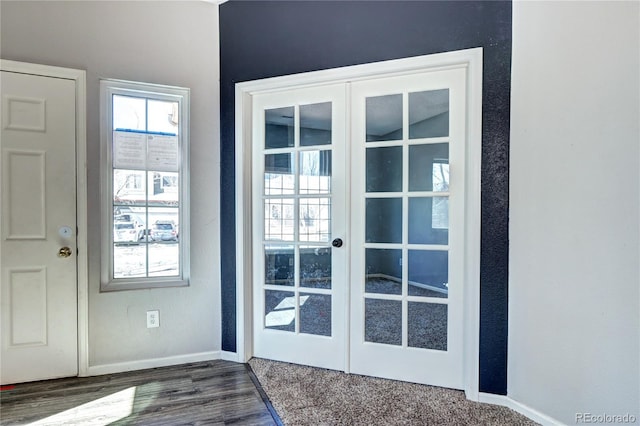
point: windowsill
(142, 284)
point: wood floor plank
(207, 393)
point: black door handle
(337, 242)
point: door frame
(82, 265)
(470, 59)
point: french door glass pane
(279, 127)
(279, 261)
(428, 220)
(383, 271)
(278, 174)
(384, 118)
(427, 325)
(315, 172)
(429, 114)
(280, 310)
(315, 267)
(315, 314)
(383, 321)
(384, 169)
(383, 220)
(315, 124)
(315, 219)
(428, 273)
(429, 167)
(279, 219)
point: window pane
(162, 116)
(164, 189)
(164, 259)
(163, 225)
(384, 118)
(279, 128)
(429, 114)
(129, 187)
(129, 260)
(129, 113)
(124, 220)
(315, 124)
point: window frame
(181, 95)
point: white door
(299, 265)
(39, 284)
(407, 227)
(401, 263)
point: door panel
(299, 208)
(407, 231)
(39, 285)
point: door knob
(64, 252)
(337, 242)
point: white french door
(358, 232)
(407, 227)
(300, 279)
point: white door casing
(43, 187)
(470, 64)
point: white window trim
(108, 88)
(244, 92)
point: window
(145, 175)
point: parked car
(125, 232)
(164, 231)
(136, 220)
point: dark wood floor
(207, 393)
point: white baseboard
(97, 370)
(527, 411)
(230, 356)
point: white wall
(574, 323)
(173, 43)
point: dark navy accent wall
(260, 39)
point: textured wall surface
(276, 38)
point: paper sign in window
(129, 150)
(162, 153)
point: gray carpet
(311, 396)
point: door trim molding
(244, 92)
(80, 78)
